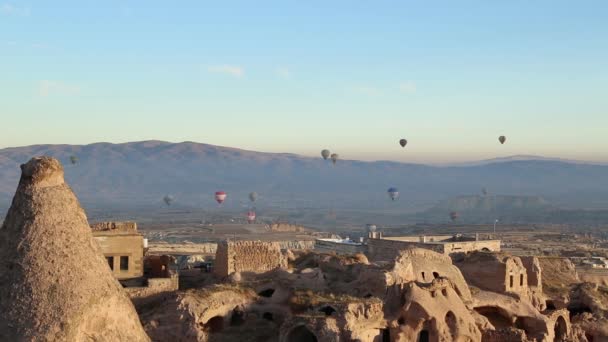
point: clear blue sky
(299, 76)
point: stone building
(247, 256)
(383, 247)
(122, 246)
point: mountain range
(139, 174)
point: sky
(300, 76)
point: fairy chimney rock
(55, 285)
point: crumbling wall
(471, 246)
(495, 272)
(388, 250)
(434, 312)
(247, 256)
(155, 287)
(533, 271)
(128, 227)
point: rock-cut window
(110, 262)
(124, 263)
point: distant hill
(138, 174)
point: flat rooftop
(341, 241)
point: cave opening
(328, 310)
(215, 324)
(266, 293)
(423, 336)
(301, 334)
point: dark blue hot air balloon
(393, 193)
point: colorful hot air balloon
(334, 158)
(251, 216)
(454, 216)
(325, 154)
(502, 139)
(253, 196)
(73, 160)
(168, 199)
(393, 193)
(220, 197)
(402, 142)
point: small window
(521, 280)
(423, 277)
(124, 263)
(435, 275)
(110, 262)
(511, 281)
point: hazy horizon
(350, 77)
(371, 159)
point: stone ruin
(54, 282)
(247, 256)
(418, 296)
(56, 286)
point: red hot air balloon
(220, 197)
(251, 216)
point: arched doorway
(560, 329)
(423, 336)
(495, 315)
(301, 334)
(451, 322)
(238, 317)
(215, 324)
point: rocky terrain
(55, 284)
(263, 291)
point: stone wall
(495, 272)
(338, 248)
(247, 256)
(388, 250)
(534, 271)
(210, 248)
(156, 286)
(128, 227)
(471, 246)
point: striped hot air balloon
(251, 216)
(220, 197)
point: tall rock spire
(55, 284)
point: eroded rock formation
(55, 284)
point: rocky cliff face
(55, 284)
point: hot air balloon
(168, 199)
(220, 197)
(502, 139)
(454, 216)
(484, 191)
(253, 196)
(325, 154)
(251, 216)
(393, 193)
(73, 160)
(334, 158)
(402, 142)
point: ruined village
(66, 279)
